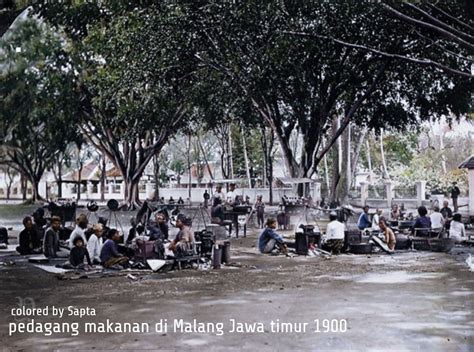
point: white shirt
(75, 233)
(457, 230)
(375, 222)
(230, 197)
(436, 220)
(220, 195)
(335, 231)
(94, 246)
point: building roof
(468, 163)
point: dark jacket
(51, 243)
(29, 240)
(76, 257)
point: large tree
(284, 60)
(39, 100)
(137, 71)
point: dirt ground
(407, 301)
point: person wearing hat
(333, 240)
(109, 255)
(79, 230)
(183, 243)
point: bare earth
(408, 301)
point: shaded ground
(408, 301)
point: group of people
(438, 220)
(100, 245)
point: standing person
(79, 230)
(206, 197)
(364, 220)
(78, 253)
(184, 240)
(260, 210)
(395, 214)
(437, 220)
(389, 239)
(218, 199)
(94, 245)
(269, 240)
(231, 196)
(109, 255)
(28, 238)
(51, 248)
(334, 237)
(455, 192)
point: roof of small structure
(468, 163)
(294, 180)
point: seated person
(395, 214)
(457, 230)
(78, 253)
(376, 219)
(51, 247)
(159, 229)
(333, 240)
(446, 211)
(437, 220)
(180, 201)
(183, 244)
(422, 222)
(109, 255)
(94, 245)
(270, 240)
(364, 220)
(79, 230)
(389, 236)
(28, 238)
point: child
(78, 252)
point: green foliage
(39, 106)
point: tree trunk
(35, 190)
(358, 147)
(369, 159)
(230, 154)
(156, 175)
(60, 181)
(132, 199)
(188, 158)
(79, 180)
(382, 153)
(247, 168)
(24, 186)
(102, 178)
